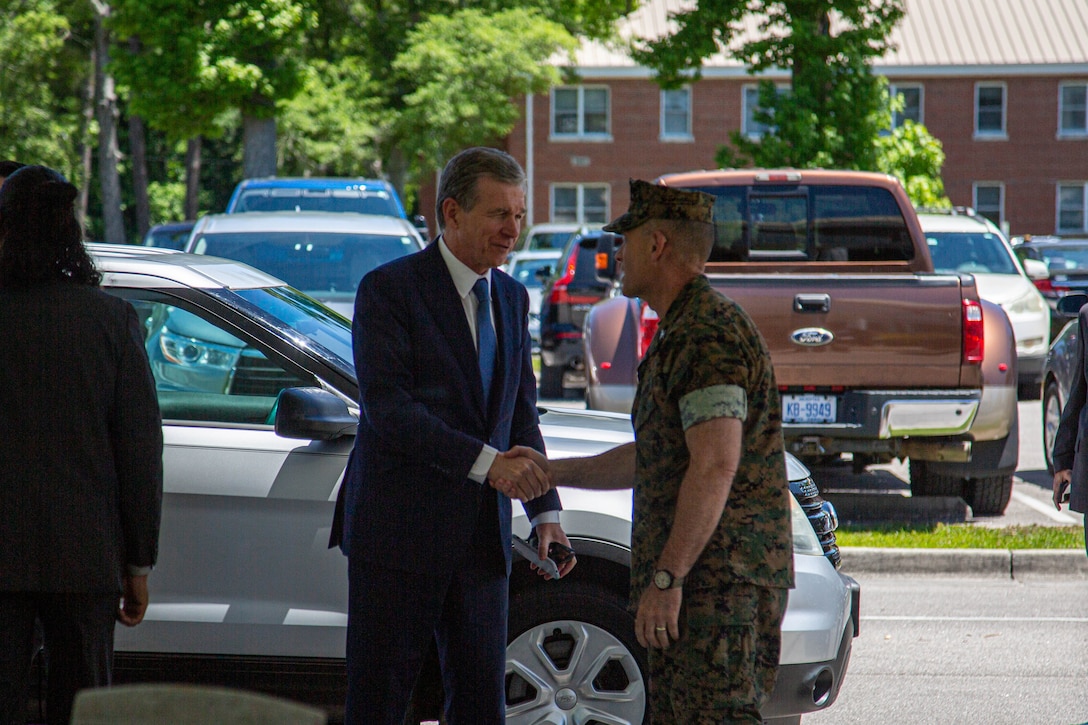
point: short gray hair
(459, 178)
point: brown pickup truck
(875, 355)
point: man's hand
(520, 473)
(658, 620)
(547, 535)
(133, 600)
(1062, 480)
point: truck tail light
(647, 327)
(558, 295)
(973, 337)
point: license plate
(808, 408)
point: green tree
(834, 109)
(468, 69)
(42, 84)
(912, 155)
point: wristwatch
(664, 579)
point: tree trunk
(192, 177)
(259, 156)
(137, 141)
(106, 113)
(87, 152)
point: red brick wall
(1029, 162)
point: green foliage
(464, 71)
(329, 128)
(915, 157)
(197, 59)
(835, 108)
(40, 92)
(964, 536)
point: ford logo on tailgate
(812, 336)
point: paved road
(960, 650)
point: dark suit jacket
(408, 501)
(80, 441)
(1070, 451)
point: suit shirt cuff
(545, 517)
(134, 570)
(483, 464)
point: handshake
(522, 473)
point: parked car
(1060, 369)
(321, 253)
(532, 269)
(549, 236)
(247, 594)
(171, 235)
(566, 299)
(322, 193)
(961, 241)
(1066, 266)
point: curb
(998, 563)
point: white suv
(962, 241)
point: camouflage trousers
(723, 668)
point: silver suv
(258, 396)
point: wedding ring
(660, 629)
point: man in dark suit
(426, 524)
(1070, 455)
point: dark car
(1065, 259)
(567, 298)
(172, 235)
(1059, 370)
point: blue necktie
(485, 335)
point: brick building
(1003, 84)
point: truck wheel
(990, 495)
(573, 653)
(1052, 416)
(551, 382)
(925, 482)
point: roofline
(636, 72)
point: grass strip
(963, 536)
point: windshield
(320, 326)
(1064, 259)
(970, 252)
(322, 264)
(335, 200)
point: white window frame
(580, 199)
(684, 135)
(992, 134)
(1000, 186)
(895, 89)
(581, 134)
(746, 111)
(1082, 186)
(1064, 132)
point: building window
(580, 112)
(911, 96)
(990, 110)
(989, 201)
(1071, 208)
(582, 203)
(676, 114)
(752, 127)
(1073, 109)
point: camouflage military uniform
(708, 361)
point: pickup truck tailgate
(864, 331)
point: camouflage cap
(652, 201)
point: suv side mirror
(605, 263)
(1036, 268)
(1069, 305)
(313, 413)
